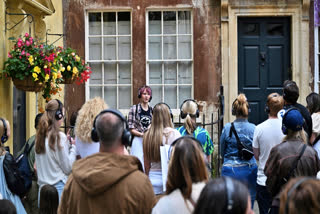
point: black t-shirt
(145, 117)
(307, 126)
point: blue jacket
(229, 146)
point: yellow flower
(46, 78)
(63, 69)
(54, 75)
(69, 68)
(45, 66)
(61, 59)
(77, 58)
(35, 76)
(75, 70)
(37, 69)
(31, 60)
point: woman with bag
(236, 147)
(54, 153)
(8, 169)
(161, 133)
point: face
(145, 97)
(249, 210)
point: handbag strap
(295, 164)
(233, 130)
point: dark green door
(263, 60)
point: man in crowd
(267, 135)
(109, 181)
(290, 96)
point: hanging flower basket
(69, 80)
(28, 84)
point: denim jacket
(229, 146)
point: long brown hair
(303, 199)
(190, 109)
(186, 166)
(48, 127)
(152, 140)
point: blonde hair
(187, 166)
(296, 135)
(190, 109)
(2, 150)
(241, 106)
(86, 115)
(48, 127)
(275, 103)
(152, 140)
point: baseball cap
(293, 119)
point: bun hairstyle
(274, 104)
(240, 106)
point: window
(109, 55)
(316, 60)
(170, 56)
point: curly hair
(86, 115)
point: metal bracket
(61, 35)
(26, 15)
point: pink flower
(22, 53)
(27, 54)
(9, 55)
(41, 46)
(19, 44)
(27, 43)
(26, 35)
(19, 57)
(30, 39)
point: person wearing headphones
(5, 192)
(291, 158)
(189, 112)
(55, 154)
(300, 196)
(187, 175)
(239, 133)
(267, 135)
(139, 120)
(160, 133)
(224, 196)
(290, 96)
(108, 181)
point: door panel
(263, 60)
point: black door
(263, 60)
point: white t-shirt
(266, 136)
(85, 149)
(316, 122)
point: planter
(69, 80)
(27, 84)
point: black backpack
(23, 166)
(13, 177)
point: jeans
(247, 174)
(264, 199)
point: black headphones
(139, 93)
(184, 115)
(233, 110)
(126, 135)
(171, 115)
(230, 191)
(283, 127)
(181, 138)
(59, 114)
(295, 186)
(266, 108)
(4, 136)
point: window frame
(117, 85)
(175, 109)
(316, 59)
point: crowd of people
(108, 163)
